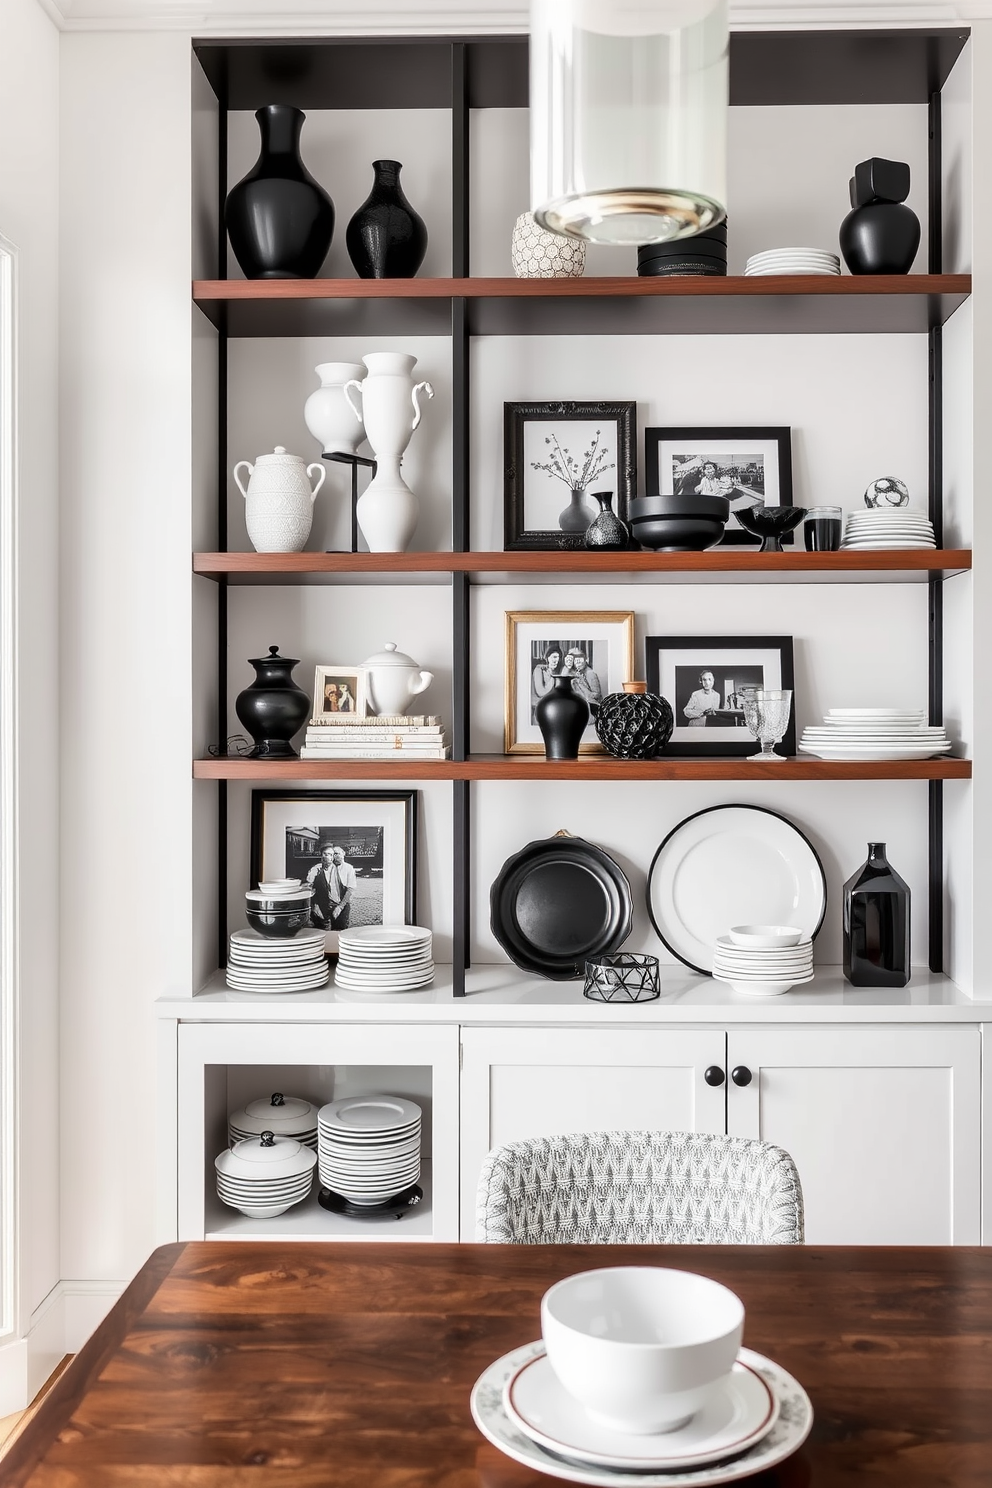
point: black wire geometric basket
(623, 976)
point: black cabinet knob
(714, 1075)
(740, 1074)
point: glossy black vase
(876, 924)
(273, 708)
(279, 220)
(386, 238)
(881, 235)
(562, 717)
(607, 532)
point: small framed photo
(751, 466)
(593, 647)
(338, 694)
(555, 457)
(357, 848)
(703, 678)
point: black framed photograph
(704, 677)
(357, 849)
(751, 466)
(556, 458)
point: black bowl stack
(702, 256)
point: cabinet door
(883, 1124)
(539, 1082)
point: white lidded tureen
(264, 1176)
(393, 680)
(279, 500)
(284, 1115)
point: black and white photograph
(557, 458)
(338, 694)
(593, 648)
(704, 678)
(356, 850)
(752, 467)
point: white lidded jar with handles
(279, 500)
(393, 680)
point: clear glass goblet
(766, 713)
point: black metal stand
(354, 461)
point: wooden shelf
(862, 304)
(590, 767)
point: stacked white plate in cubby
(384, 958)
(285, 1115)
(879, 527)
(792, 261)
(260, 963)
(874, 734)
(368, 1147)
(763, 960)
(264, 1176)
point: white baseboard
(71, 1312)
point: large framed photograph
(751, 466)
(555, 457)
(593, 647)
(338, 694)
(703, 678)
(357, 848)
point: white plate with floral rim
(795, 1419)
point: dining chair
(639, 1188)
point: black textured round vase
(386, 238)
(279, 220)
(634, 725)
(562, 717)
(273, 708)
(880, 238)
(607, 532)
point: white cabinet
(884, 1125)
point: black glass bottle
(876, 924)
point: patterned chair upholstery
(639, 1188)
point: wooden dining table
(342, 1365)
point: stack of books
(377, 738)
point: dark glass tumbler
(823, 529)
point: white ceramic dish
(821, 752)
(369, 1113)
(762, 989)
(763, 936)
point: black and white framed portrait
(556, 457)
(357, 850)
(704, 677)
(753, 467)
(595, 648)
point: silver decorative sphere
(887, 491)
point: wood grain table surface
(338, 1365)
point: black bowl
(673, 245)
(679, 267)
(695, 248)
(678, 534)
(771, 524)
(715, 508)
(278, 925)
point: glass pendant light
(628, 117)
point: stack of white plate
(264, 1176)
(257, 963)
(792, 261)
(763, 960)
(384, 958)
(888, 527)
(285, 1115)
(874, 734)
(368, 1147)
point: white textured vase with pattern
(279, 500)
(539, 254)
(387, 511)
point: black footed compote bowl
(770, 523)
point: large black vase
(562, 717)
(876, 924)
(273, 708)
(279, 220)
(386, 238)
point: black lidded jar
(279, 219)
(876, 924)
(562, 717)
(273, 708)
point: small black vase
(273, 708)
(562, 717)
(279, 220)
(607, 532)
(876, 924)
(880, 238)
(386, 238)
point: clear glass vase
(766, 713)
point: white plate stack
(368, 1147)
(792, 261)
(285, 1115)
(888, 527)
(874, 734)
(763, 960)
(384, 958)
(264, 1176)
(258, 963)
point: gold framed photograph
(338, 694)
(594, 647)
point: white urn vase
(387, 511)
(279, 500)
(393, 680)
(328, 417)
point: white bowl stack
(384, 958)
(368, 1147)
(792, 261)
(285, 1115)
(258, 963)
(874, 734)
(879, 527)
(763, 960)
(264, 1176)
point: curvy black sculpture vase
(882, 234)
(876, 924)
(562, 717)
(607, 532)
(279, 220)
(273, 708)
(386, 238)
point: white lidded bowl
(764, 937)
(641, 1348)
(285, 1115)
(265, 1159)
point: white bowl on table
(765, 937)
